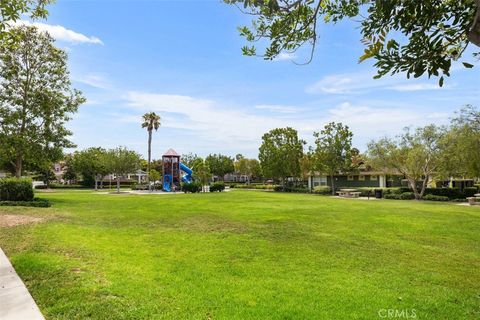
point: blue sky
(182, 60)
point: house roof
(171, 152)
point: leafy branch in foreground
(415, 37)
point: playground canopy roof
(171, 152)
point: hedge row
(39, 203)
(13, 189)
(254, 186)
(400, 196)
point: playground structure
(172, 168)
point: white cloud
(285, 56)
(340, 84)
(218, 126)
(368, 123)
(354, 83)
(277, 108)
(415, 87)
(95, 80)
(61, 33)
(210, 120)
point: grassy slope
(247, 255)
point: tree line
(418, 154)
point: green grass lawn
(247, 255)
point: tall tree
(411, 36)
(220, 164)
(415, 154)
(280, 153)
(248, 167)
(333, 151)
(189, 159)
(461, 145)
(121, 161)
(92, 164)
(151, 121)
(36, 98)
(201, 172)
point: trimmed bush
(36, 202)
(451, 193)
(192, 187)
(13, 189)
(217, 186)
(391, 196)
(140, 187)
(401, 196)
(431, 197)
(407, 196)
(291, 189)
(323, 190)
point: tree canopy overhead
(416, 37)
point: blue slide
(167, 181)
(188, 177)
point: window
(316, 184)
(373, 178)
(350, 178)
(361, 178)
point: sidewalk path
(16, 303)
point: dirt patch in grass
(11, 220)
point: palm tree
(150, 121)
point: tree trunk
(96, 183)
(18, 166)
(118, 184)
(333, 184)
(474, 33)
(413, 186)
(424, 186)
(149, 158)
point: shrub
(324, 190)
(69, 186)
(217, 186)
(470, 192)
(399, 196)
(452, 193)
(13, 189)
(407, 196)
(431, 197)
(256, 186)
(36, 202)
(140, 187)
(192, 187)
(391, 196)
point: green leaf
(467, 65)
(440, 81)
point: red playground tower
(171, 170)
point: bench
(475, 200)
(348, 194)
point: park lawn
(246, 255)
